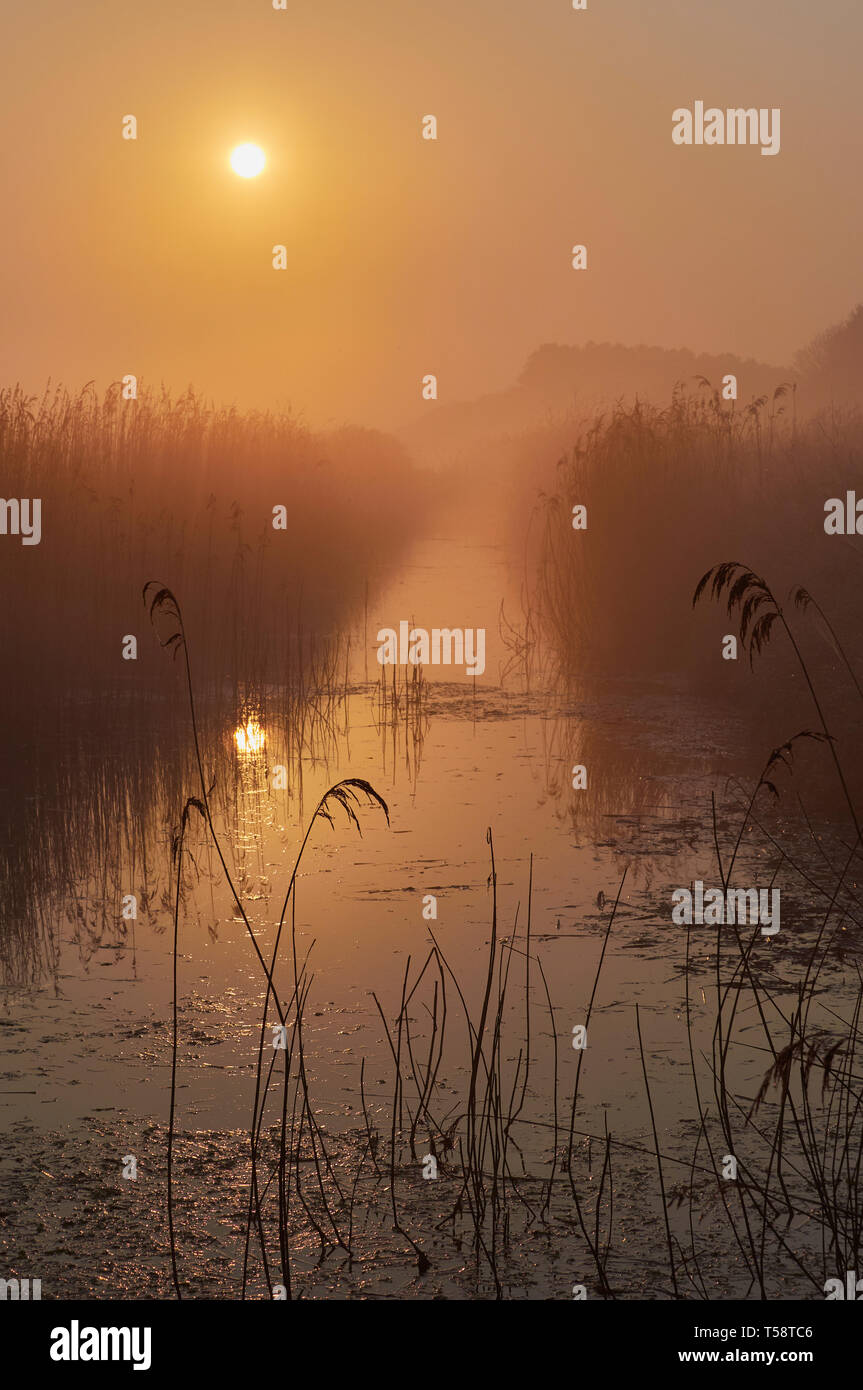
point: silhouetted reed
(164, 609)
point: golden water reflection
(249, 738)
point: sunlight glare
(249, 737)
(247, 160)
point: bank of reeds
(166, 485)
(665, 488)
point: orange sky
(407, 256)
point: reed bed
(663, 488)
(167, 485)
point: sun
(247, 161)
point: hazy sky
(408, 256)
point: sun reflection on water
(249, 738)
